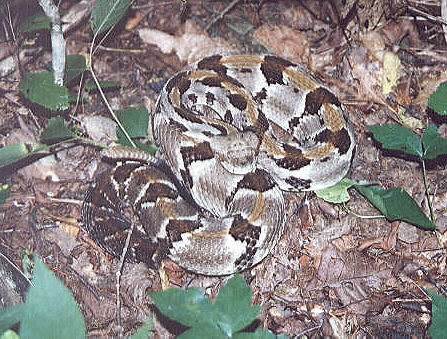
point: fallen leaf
(391, 68)
(284, 41)
(100, 129)
(190, 46)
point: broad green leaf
(35, 22)
(203, 332)
(107, 13)
(438, 100)
(259, 334)
(75, 65)
(56, 130)
(9, 154)
(395, 204)
(40, 89)
(438, 327)
(12, 153)
(434, 144)
(188, 307)
(50, 309)
(338, 193)
(135, 122)
(397, 138)
(144, 330)
(234, 306)
(9, 334)
(90, 86)
(4, 192)
(231, 312)
(10, 316)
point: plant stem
(427, 195)
(109, 107)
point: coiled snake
(233, 133)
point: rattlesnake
(233, 133)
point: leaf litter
(331, 272)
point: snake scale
(234, 132)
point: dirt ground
(336, 271)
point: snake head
(237, 151)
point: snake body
(233, 133)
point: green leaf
(4, 192)
(259, 334)
(188, 307)
(10, 316)
(35, 22)
(144, 330)
(434, 144)
(235, 295)
(438, 100)
(438, 327)
(56, 130)
(9, 334)
(231, 312)
(40, 89)
(90, 86)
(15, 152)
(75, 65)
(50, 309)
(134, 121)
(202, 332)
(395, 204)
(338, 193)
(107, 13)
(397, 138)
(12, 153)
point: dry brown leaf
(391, 72)
(428, 86)
(375, 44)
(284, 41)
(190, 46)
(351, 276)
(387, 242)
(133, 21)
(100, 129)
(368, 74)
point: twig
(222, 14)
(427, 194)
(95, 79)
(10, 22)
(444, 17)
(428, 16)
(118, 277)
(431, 280)
(308, 330)
(57, 40)
(349, 211)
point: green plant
(230, 313)
(398, 138)
(438, 327)
(396, 203)
(438, 100)
(49, 310)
